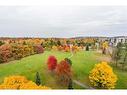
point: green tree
(38, 80)
(68, 61)
(87, 47)
(117, 53)
(70, 84)
(1, 43)
(124, 56)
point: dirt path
(104, 58)
(101, 57)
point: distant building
(116, 40)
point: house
(116, 40)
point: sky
(63, 21)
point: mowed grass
(83, 63)
(122, 78)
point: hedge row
(17, 51)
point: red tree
(63, 72)
(38, 49)
(52, 63)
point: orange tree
(5, 53)
(63, 72)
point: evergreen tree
(118, 52)
(24, 43)
(124, 56)
(1, 43)
(87, 48)
(116, 55)
(68, 61)
(70, 84)
(38, 80)
(58, 43)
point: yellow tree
(104, 47)
(102, 76)
(19, 82)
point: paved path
(77, 82)
(82, 85)
(71, 55)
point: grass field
(83, 62)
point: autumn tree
(102, 76)
(19, 82)
(63, 72)
(104, 47)
(52, 63)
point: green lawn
(83, 62)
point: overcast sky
(62, 21)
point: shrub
(26, 50)
(52, 63)
(5, 53)
(32, 85)
(54, 48)
(63, 72)
(31, 49)
(38, 49)
(13, 82)
(102, 76)
(19, 82)
(75, 48)
(66, 48)
(17, 51)
(60, 48)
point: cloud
(62, 21)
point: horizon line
(68, 37)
